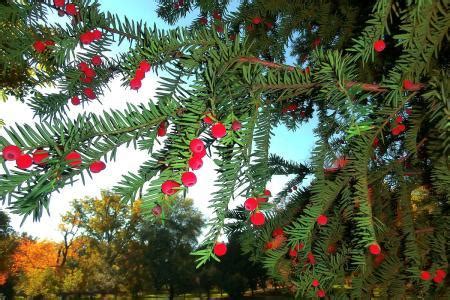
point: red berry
(236, 125)
(395, 131)
(220, 249)
(408, 85)
(320, 293)
(203, 21)
(218, 130)
(374, 249)
(96, 34)
(197, 146)
(322, 220)
(408, 111)
(135, 84)
(311, 258)
(86, 38)
(267, 193)
(316, 43)
(144, 65)
(97, 166)
(257, 218)
(216, 15)
(315, 283)
(39, 156)
(438, 279)
(89, 72)
(139, 74)
(401, 128)
(232, 37)
(332, 249)
(425, 275)
(75, 100)
(71, 9)
(96, 60)
(256, 20)
(293, 252)
(73, 159)
(207, 120)
(188, 179)
(39, 46)
(261, 199)
(441, 273)
(378, 259)
(162, 129)
(58, 3)
(83, 66)
(11, 152)
(277, 231)
(200, 155)
(299, 247)
(89, 93)
(379, 45)
(375, 143)
(399, 119)
(24, 161)
(250, 204)
(195, 163)
(156, 210)
(85, 79)
(169, 187)
(269, 25)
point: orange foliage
(31, 255)
(3, 277)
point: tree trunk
(171, 292)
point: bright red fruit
(220, 249)
(86, 38)
(378, 259)
(200, 154)
(236, 125)
(311, 258)
(96, 34)
(256, 20)
(11, 152)
(71, 9)
(320, 293)
(203, 21)
(162, 129)
(374, 249)
(218, 130)
(438, 279)
(399, 119)
(257, 218)
(139, 74)
(89, 72)
(277, 231)
(207, 120)
(156, 210)
(322, 220)
(441, 273)
(379, 45)
(96, 60)
(250, 204)
(293, 252)
(188, 179)
(267, 193)
(425, 275)
(299, 247)
(73, 159)
(169, 187)
(89, 93)
(375, 142)
(216, 15)
(75, 100)
(83, 66)
(315, 283)
(408, 85)
(195, 163)
(197, 146)
(58, 3)
(144, 65)
(85, 79)
(39, 46)
(135, 84)
(24, 161)
(97, 166)
(39, 156)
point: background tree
(8, 243)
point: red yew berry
(156, 210)
(267, 193)
(220, 249)
(395, 131)
(218, 130)
(169, 187)
(86, 38)
(379, 45)
(73, 159)
(425, 275)
(58, 3)
(441, 273)
(40, 156)
(11, 152)
(232, 37)
(438, 279)
(277, 231)
(195, 163)
(250, 204)
(408, 85)
(96, 34)
(200, 154)
(135, 84)
(408, 111)
(299, 247)
(401, 128)
(378, 259)
(144, 66)
(257, 218)
(83, 66)
(331, 249)
(197, 146)
(269, 25)
(322, 220)
(75, 100)
(321, 293)
(96, 60)
(71, 9)
(97, 166)
(236, 125)
(24, 161)
(307, 70)
(219, 28)
(85, 79)
(89, 93)
(203, 21)
(311, 258)
(217, 16)
(139, 74)
(162, 129)
(399, 119)
(315, 283)
(256, 20)
(207, 120)
(293, 252)
(89, 72)
(188, 179)
(375, 143)
(39, 46)
(374, 249)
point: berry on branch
(24, 161)
(11, 152)
(170, 187)
(188, 179)
(220, 249)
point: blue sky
(292, 145)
